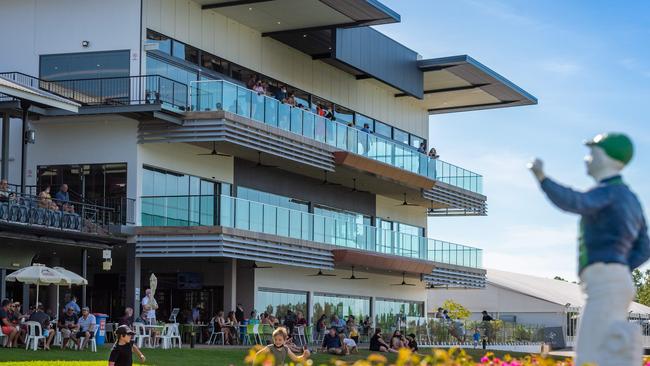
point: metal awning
(268, 16)
(460, 83)
(11, 89)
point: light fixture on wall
(85, 44)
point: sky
(587, 62)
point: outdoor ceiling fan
(214, 151)
(259, 161)
(325, 182)
(255, 266)
(404, 283)
(321, 274)
(353, 277)
(405, 203)
(354, 187)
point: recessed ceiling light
(279, 22)
(249, 9)
(304, 36)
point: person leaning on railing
(62, 197)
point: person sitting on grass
(378, 344)
(281, 351)
(398, 341)
(332, 343)
(122, 352)
(349, 344)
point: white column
(230, 285)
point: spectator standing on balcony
(259, 87)
(433, 154)
(329, 113)
(366, 128)
(423, 148)
(63, 198)
(291, 100)
(281, 93)
(252, 81)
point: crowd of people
(60, 202)
(76, 325)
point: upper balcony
(219, 95)
(220, 225)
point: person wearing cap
(613, 241)
(122, 351)
(86, 325)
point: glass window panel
(87, 65)
(343, 115)
(214, 63)
(243, 102)
(284, 116)
(383, 129)
(401, 136)
(164, 43)
(296, 121)
(277, 302)
(362, 121)
(271, 111)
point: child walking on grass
(122, 352)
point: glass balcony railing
(211, 95)
(263, 218)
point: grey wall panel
(381, 57)
(285, 183)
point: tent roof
(554, 291)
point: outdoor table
(189, 328)
(149, 328)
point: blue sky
(586, 62)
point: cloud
(561, 67)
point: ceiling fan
(405, 203)
(404, 283)
(214, 151)
(259, 161)
(354, 187)
(353, 277)
(255, 266)
(321, 274)
(325, 182)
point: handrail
(208, 95)
(227, 211)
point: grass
(158, 357)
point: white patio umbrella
(71, 278)
(37, 274)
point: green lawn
(185, 356)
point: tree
(456, 310)
(559, 278)
(642, 284)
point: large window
(174, 199)
(86, 65)
(388, 312)
(271, 199)
(341, 305)
(100, 184)
(277, 302)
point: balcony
(250, 216)
(219, 95)
(33, 218)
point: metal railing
(211, 95)
(38, 211)
(114, 91)
(207, 210)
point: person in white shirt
(149, 305)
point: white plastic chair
(214, 336)
(34, 335)
(92, 341)
(141, 335)
(300, 332)
(169, 335)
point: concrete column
(310, 307)
(230, 285)
(25, 298)
(51, 289)
(133, 279)
(373, 303)
(6, 127)
(84, 274)
(246, 286)
(3, 284)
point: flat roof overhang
(349, 257)
(268, 16)
(14, 91)
(460, 83)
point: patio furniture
(266, 334)
(141, 335)
(34, 335)
(300, 333)
(92, 342)
(214, 336)
(168, 335)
